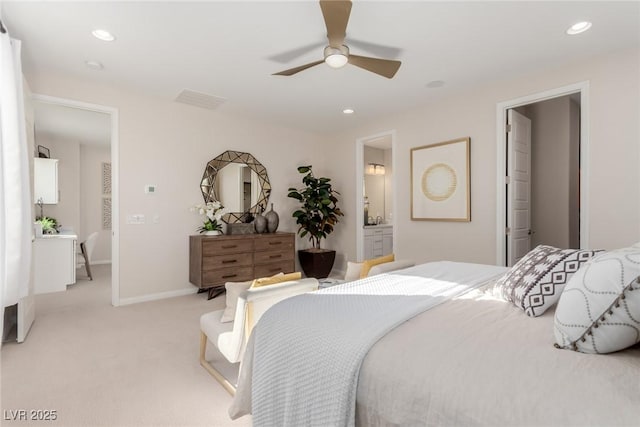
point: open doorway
(375, 195)
(542, 180)
(83, 138)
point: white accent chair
(86, 250)
(231, 338)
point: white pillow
(599, 310)
(234, 289)
(353, 271)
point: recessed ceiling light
(579, 27)
(103, 35)
(435, 84)
(348, 111)
(94, 65)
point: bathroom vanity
(378, 240)
(54, 258)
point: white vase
(212, 233)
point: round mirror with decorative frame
(239, 182)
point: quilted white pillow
(234, 289)
(599, 310)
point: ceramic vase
(260, 223)
(272, 220)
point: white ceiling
(229, 49)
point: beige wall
(614, 152)
(168, 144)
(550, 160)
(91, 159)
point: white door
(518, 227)
(27, 305)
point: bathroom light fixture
(348, 111)
(103, 35)
(375, 169)
(579, 27)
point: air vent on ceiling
(199, 99)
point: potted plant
(316, 217)
(212, 212)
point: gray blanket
(307, 350)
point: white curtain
(15, 185)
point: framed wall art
(441, 181)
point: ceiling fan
(336, 54)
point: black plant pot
(316, 264)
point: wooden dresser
(214, 260)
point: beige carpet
(98, 365)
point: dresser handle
(275, 256)
(274, 269)
(229, 246)
(229, 276)
(275, 243)
(229, 261)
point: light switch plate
(135, 219)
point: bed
(469, 359)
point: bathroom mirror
(239, 182)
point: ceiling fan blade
(290, 55)
(292, 71)
(376, 49)
(384, 67)
(336, 16)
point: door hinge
(507, 180)
(507, 231)
(508, 128)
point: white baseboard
(104, 261)
(158, 296)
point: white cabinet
(45, 181)
(378, 241)
(54, 259)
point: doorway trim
(115, 189)
(501, 164)
(360, 143)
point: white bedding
(479, 361)
(307, 351)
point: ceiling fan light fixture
(336, 57)
(336, 61)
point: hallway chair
(86, 249)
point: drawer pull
(275, 243)
(274, 269)
(229, 261)
(229, 246)
(229, 276)
(275, 256)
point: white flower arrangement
(213, 213)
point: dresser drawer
(221, 247)
(272, 256)
(270, 269)
(227, 274)
(274, 242)
(230, 260)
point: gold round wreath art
(439, 182)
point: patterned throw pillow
(599, 311)
(536, 282)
